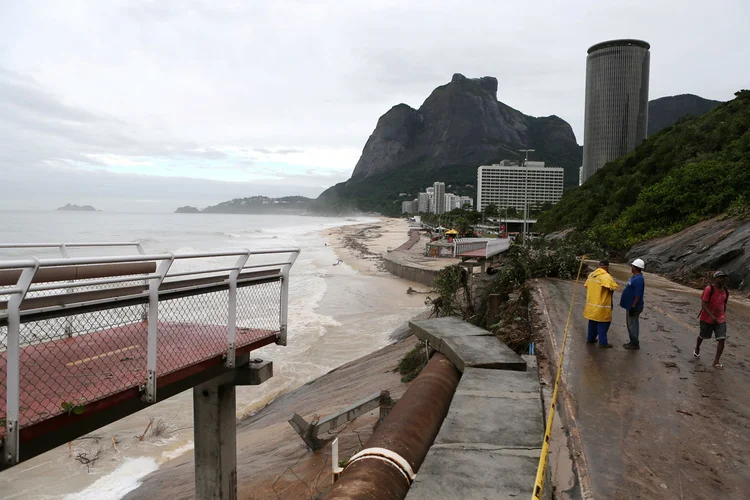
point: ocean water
(335, 315)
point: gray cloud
(182, 83)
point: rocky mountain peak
(460, 123)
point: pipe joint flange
(388, 456)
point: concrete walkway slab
(436, 329)
(501, 422)
(495, 408)
(499, 383)
(481, 352)
(467, 345)
(475, 474)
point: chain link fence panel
(258, 309)
(69, 362)
(192, 329)
(60, 373)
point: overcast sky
(146, 105)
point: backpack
(726, 299)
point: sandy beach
(362, 245)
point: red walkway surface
(98, 365)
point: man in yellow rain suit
(600, 288)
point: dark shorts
(720, 329)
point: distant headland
(254, 205)
(77, 208)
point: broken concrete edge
(467, 345)
(309, 432)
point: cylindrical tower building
(616, 117)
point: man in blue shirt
(632, 301)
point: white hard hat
(639, 263)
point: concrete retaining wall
(409, 271)
(491, 439)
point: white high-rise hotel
(505, 185)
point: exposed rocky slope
(665, 111)
(460, 126)
(692, 254)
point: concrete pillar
(215, 431)
(493, 309)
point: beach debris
(151, 421)
(160, 428)
(85, 460)
(311, 433)
(685, 413)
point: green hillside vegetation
(694, 170)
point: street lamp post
(526, 193)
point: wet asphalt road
(655, 423)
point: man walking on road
(713, 317)
(632, 301)
(600, 287)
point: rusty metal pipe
(68, 273)
(408, 432)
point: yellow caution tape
(539, 483)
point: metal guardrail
(469, 244)
(76, 330)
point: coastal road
(654, 423)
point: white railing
(469, 244)
(26, 301)
(496, 246)
(63, 247)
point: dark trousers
(634, 328)
(598, 329)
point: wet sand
(362, 245)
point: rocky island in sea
(69, 207)
(187, 209)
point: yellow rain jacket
(599, 289)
